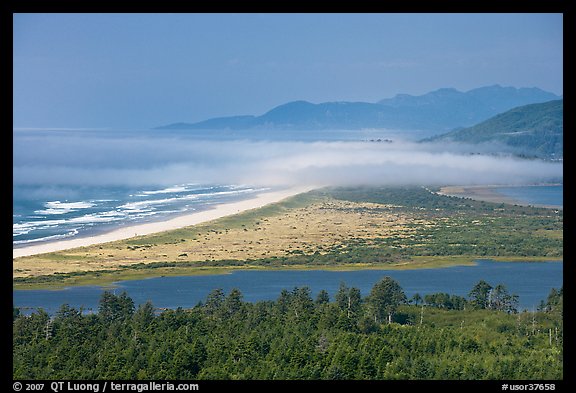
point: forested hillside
(533, 130)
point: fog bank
(92, 159)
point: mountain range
(438, 112)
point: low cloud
(92, 159)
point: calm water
(552, 195)
(531, 281)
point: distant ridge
(438, 111)
(534, 130)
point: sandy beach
(218, 211)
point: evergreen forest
(381, 335)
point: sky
(138, 71)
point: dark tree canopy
(385, 297)
(292, 338)
(113, 307)
(479, 295)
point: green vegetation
(452, 226)
(535, 130)
(380, 336)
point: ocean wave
(22, 228)
(20, 232)
(144, 214)
(169, 190)
(175, 189)
(72, 233)
(33, 225)
(57, 207)
(235, 192)
(143, 205)
(90, 219)
(52, 222)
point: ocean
(98, 209)
(76, 183)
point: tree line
(382, 335)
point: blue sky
(146, 70)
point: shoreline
(218, 211)
(487, 193)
